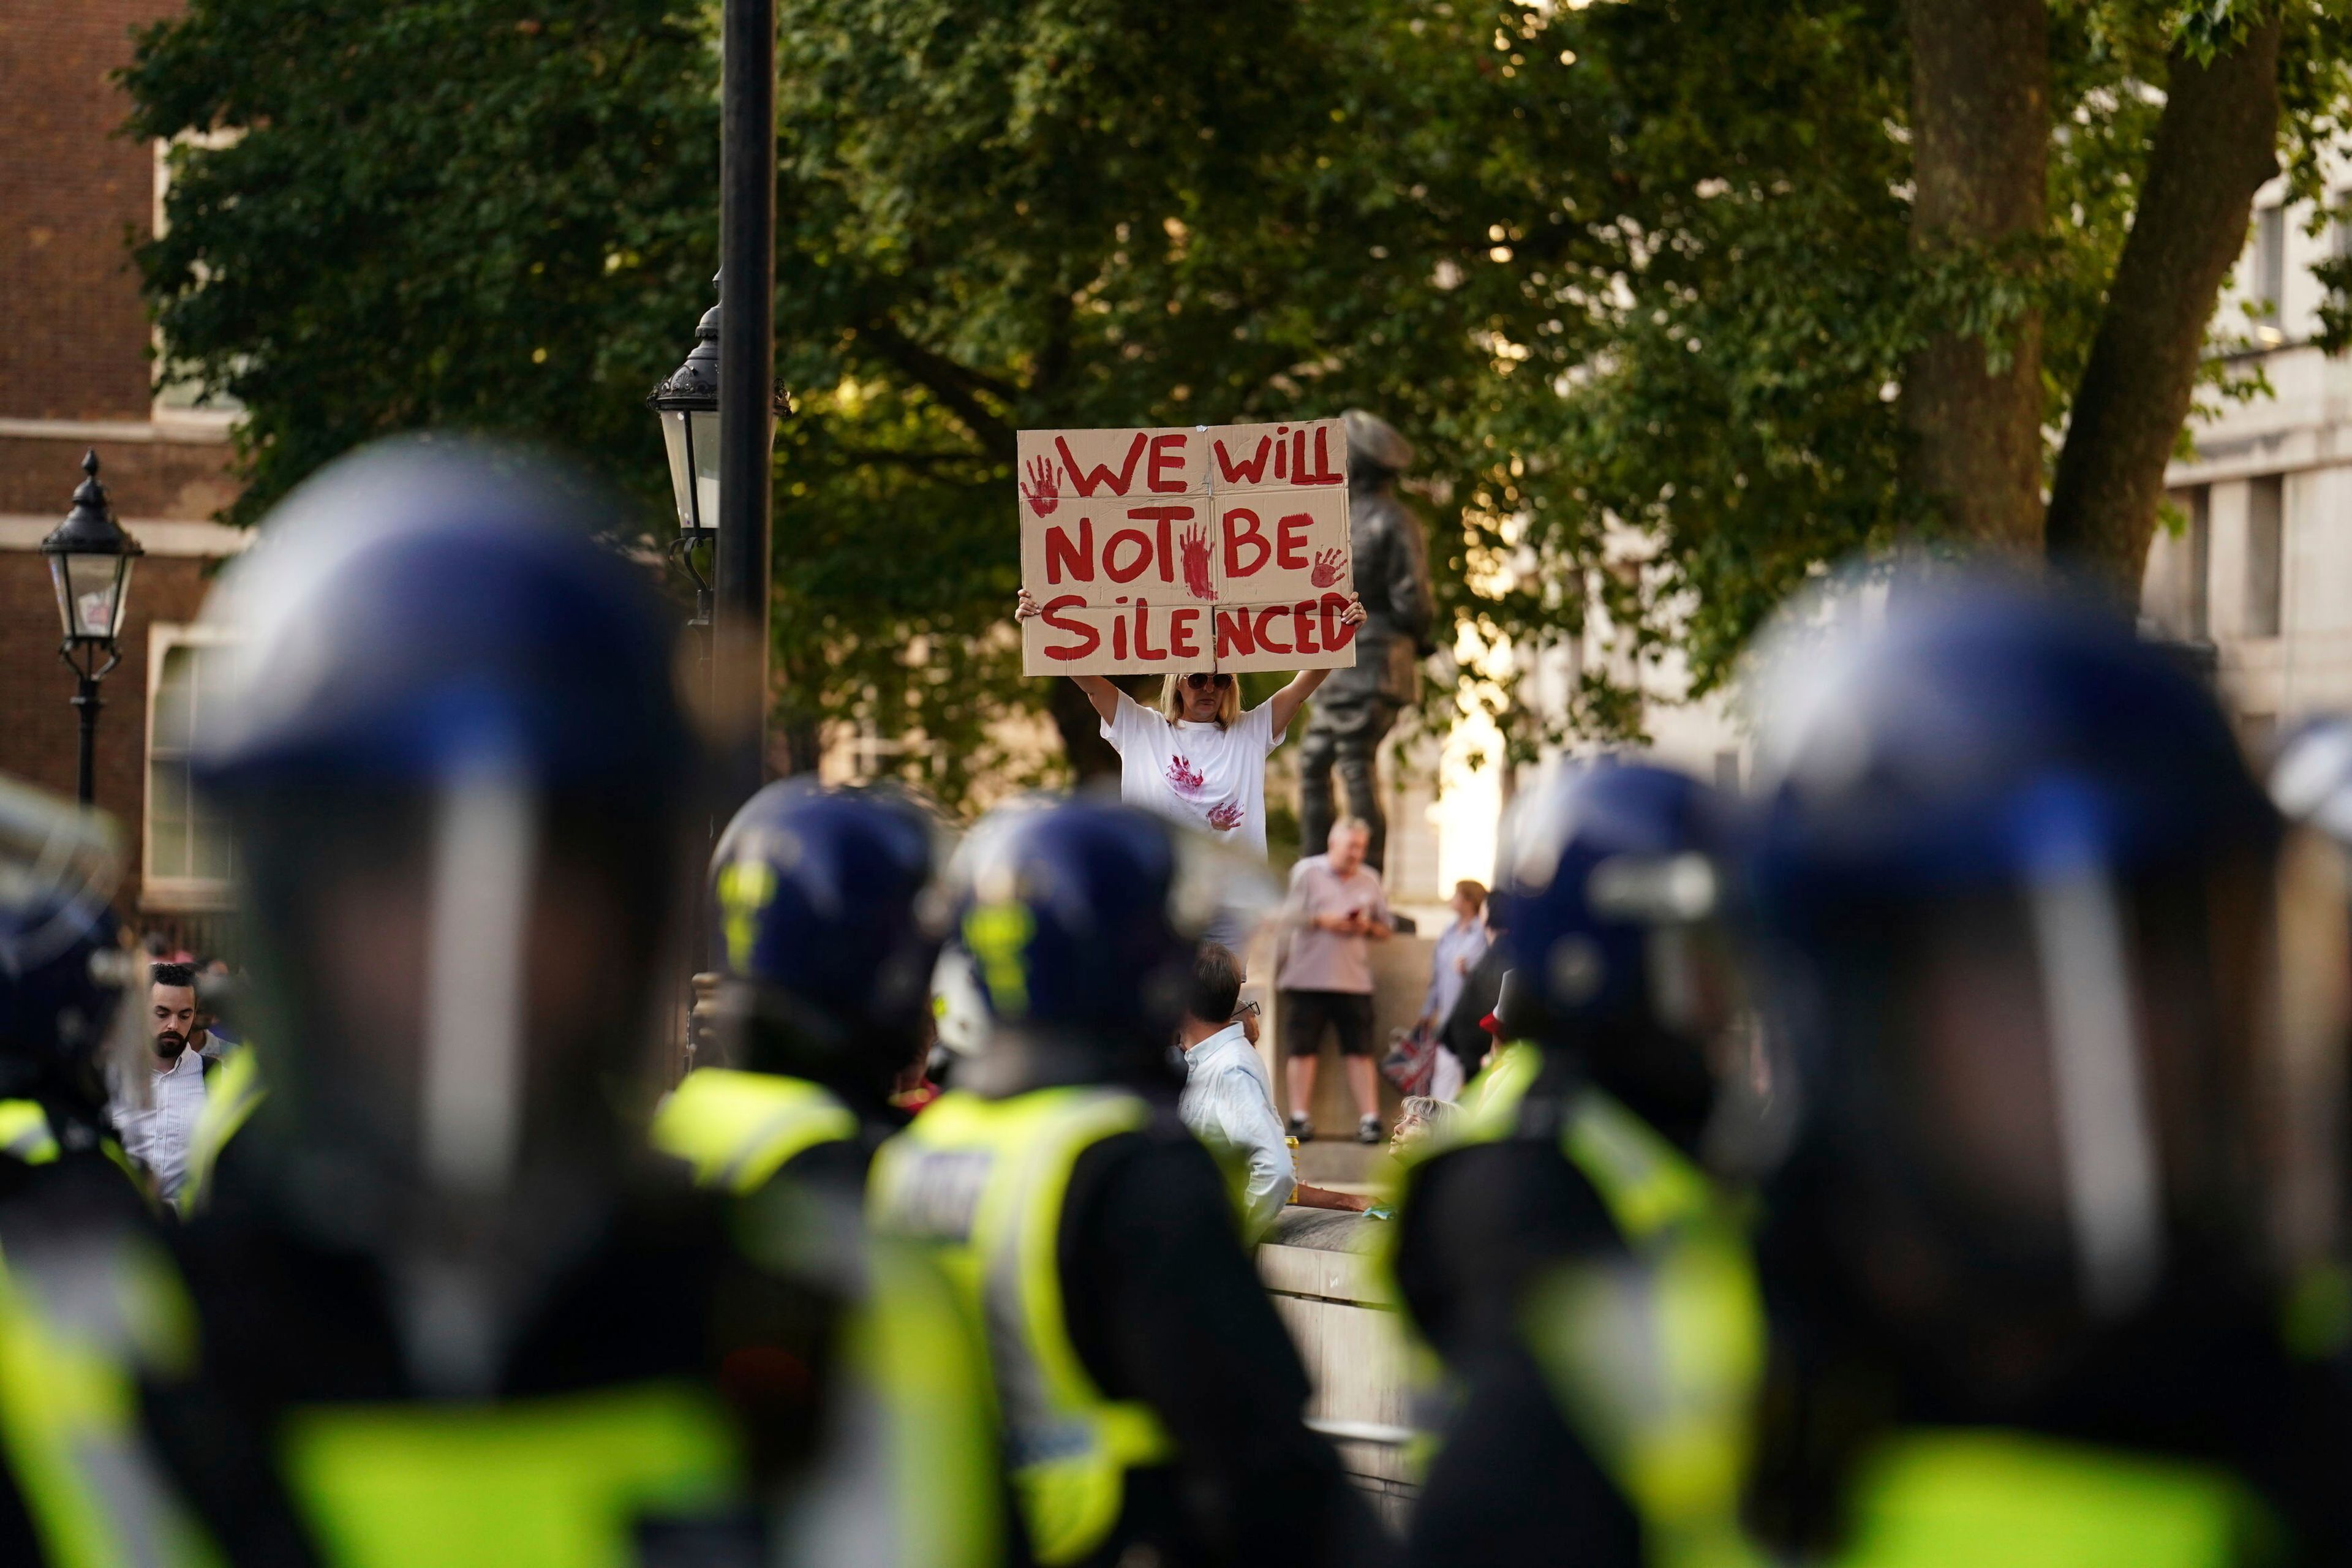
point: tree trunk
(2215, 144)
(1979, 143)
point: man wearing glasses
(1199, 758)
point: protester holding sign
(1241, 531)
(1198, 758)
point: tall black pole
(747, 357)
(86, 703)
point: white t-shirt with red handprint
(1197, 774)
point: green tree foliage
(494, 215)
(1637, 278)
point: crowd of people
(1934, 1157)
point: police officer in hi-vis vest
(2031, 1297)
(823, 910)
(826, 954)
(85, 1286)
(445, 1307)
(1560, 1246)
(1150, 1399)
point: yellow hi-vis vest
(1966, 1498)
(1655, 1361)
(916, 1378)
(563, 1481)
(230, 1099)
(982, 1184)
(25, 1135)
(70, 1429)
(738, 1128)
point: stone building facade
(2258, 557)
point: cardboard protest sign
(1216, 547)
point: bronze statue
(1357, 705)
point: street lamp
(687, 403)
(90, 563)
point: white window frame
(172, 895)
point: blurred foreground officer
(84, 1291)
(445, 1315)
(1561, 1248)
(817, 899)
(1151, 1400)
(2023, 1264)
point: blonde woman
(1199, 759)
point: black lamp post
(747, 379)
(90, 563)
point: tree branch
(957, 388)
(2215, 144)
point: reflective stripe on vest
(1654, 1359)
(738, 1128)
(24, 1134)
(1951, 1499)
(915, 1402)
(915, 1360)
(982, 1184)
(230, 1099)
(69, 1423)
(561, 1483)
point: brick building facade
(76, 375)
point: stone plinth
(1319, 1265)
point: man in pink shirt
(1337, 910)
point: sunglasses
(1207, 682)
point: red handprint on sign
(1044, 486)
(1327, 568)
(1183, 777)
(1195, 548)
(1226, 816)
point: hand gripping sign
(1216, 547)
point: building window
(2265, 538)
(2270, 265)
(187, 862)
(2195, 622)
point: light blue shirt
(1229, 1105)
(1460, 946)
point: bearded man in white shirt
(157, 1136)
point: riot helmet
(1608, 890)
(453, 760)
(2011, 877)
(1076, 920)
(62, 967)
(825, 924)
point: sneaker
(1368, 1130)
(1301, 1128)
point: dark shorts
(1306, 1014)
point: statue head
(1376, 453)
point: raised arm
(1285, 702)
(1099, 689)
